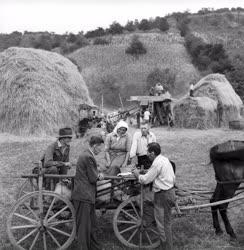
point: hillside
(109, 64)
(225, 28)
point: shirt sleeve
(128, 143)
(48, 158)
(149, 176)
(66, 159)
(92, 172)
(133, 146)
(107, 143)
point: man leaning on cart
(162, 175)
(56, 156)
(84, 195)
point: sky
(62, 16)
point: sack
(62, 188)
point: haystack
(218, 88)
(39, 91)
(195, 112)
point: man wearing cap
(56, 157)
(84, 195)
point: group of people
(119, 150)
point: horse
(228, 162)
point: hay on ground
(195, 112)
(39, 91)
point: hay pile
(39, 91)
(195, 112)
(201, 111)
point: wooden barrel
(238, 124)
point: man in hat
(56, 157)
(84, 195)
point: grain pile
(195, 112)
(39, 91)
(201, 110)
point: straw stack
(201, 111)
(39, 91)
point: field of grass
(189, 149)
(167, 50)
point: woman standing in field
(117, 148)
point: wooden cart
(42, 219)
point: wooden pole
(102, 104)
(121, 101)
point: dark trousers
(86, 226)
(144, 160)
(163, 203)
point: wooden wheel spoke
(152, 230)
(126, 222)
(132, 235)
(148, 237)
(29, 208)
(53, 238)
(140, 240)
(23, 227)
(25, 218)
(44, 241)
(27, 236)
(59, 212)
(134, 208)
(128, 229)
(128, 214)
(59, 222)
(34, 241)
(50, 208)
(60, 231)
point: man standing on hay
(162, 175)
(84, 195)
(56, 157)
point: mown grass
(189, 149)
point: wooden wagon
(42, 219)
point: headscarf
(121, 124)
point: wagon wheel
(29, 185)
(131, 229)
(30, 228)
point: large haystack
(39, 91)
(195, 112)
(218, 88)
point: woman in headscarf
(117, 148)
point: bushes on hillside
(100, 41)
(165, 77)
(136, 47)
(115, 28)
(207, 57)
(109, 88)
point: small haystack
(39, 91)
(195, 112)
(218, 88)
